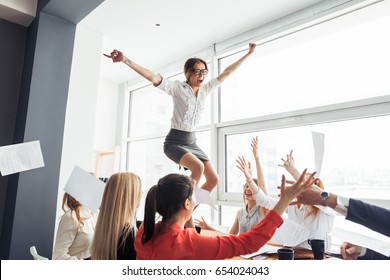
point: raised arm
(233, 67)
(289, 165)
(259, 169)
(118, 56)
(289, 193)
(261, 198)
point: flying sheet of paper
(290, 233)
(203, 196)
(319, 149)
(85, 188)
(20, 157)
(380, 246)
(267, 248)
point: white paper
(269, 249)
(290, 234)
(319, 149)
(380, 246)
(20, 157)
(203, 196)
(85, 188)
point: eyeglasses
(198, 71)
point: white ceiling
(186, 27)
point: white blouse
(320, 226)
(72, 241)
(187, 108)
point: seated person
(116, 227)
(318, 220)
(250, 215)
(173, 199)
(75, 231)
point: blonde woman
(317, 219)
(116, 227)
(75, 231)
(251, 214)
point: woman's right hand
(244, 167)
(116, 56)
(289, 164)
(201, 223)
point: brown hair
(312, 210)
(69, 202)
(190, 64)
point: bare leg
(211, 175)
(194, 164)
(197, 168)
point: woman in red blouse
(173, 199)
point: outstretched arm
(289, 193)
(289, 165)
(118, 56)
(259, 169)
(233, 67)
(261, 198)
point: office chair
(35, 254)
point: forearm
(263, 199)
(233, 67)
(146, 73)
(260, 175)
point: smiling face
(247, 193)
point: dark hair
(165, 198)
(190, 64)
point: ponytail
(166, 198)
(150, 214)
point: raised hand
(291, 192)
(255, 147)
(289, 165)
(116, 56)
(244, 167)
(252, 47)
(201, 223)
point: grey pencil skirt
(178, 142)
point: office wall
(13, 39)
(105, 124)
(31, 199)
(80, 116)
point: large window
(341, 60)
(330, 79)
(352, 158)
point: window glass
(318, 66)
(355, 157)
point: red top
(176, 243)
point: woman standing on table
(188, 99)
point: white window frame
(371, 107)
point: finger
(106, 55)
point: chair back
(35, 254)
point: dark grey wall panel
(13, 38)
(35, 206)
(31, 196)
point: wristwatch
(324, 196)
